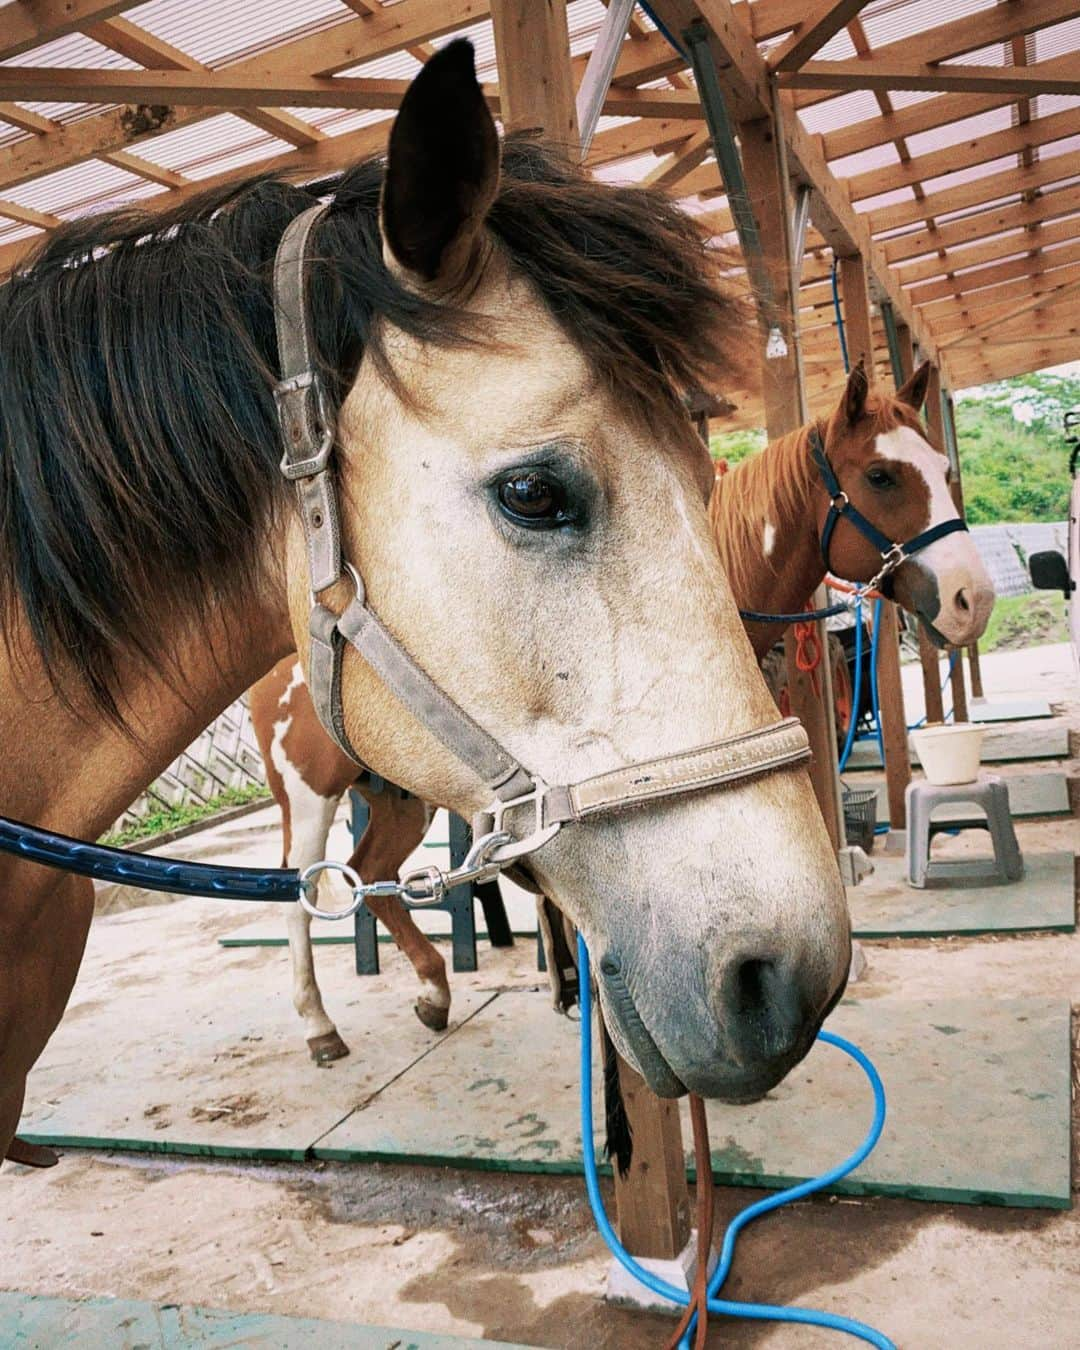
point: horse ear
(913, 392)
(858, 386)
(442, 172)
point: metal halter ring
(309, 890)
(841, 502)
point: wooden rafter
(822, 23)
(997, 23)
(681, 161)
(878, 73)
(1047, 299)
(1032, 263)
(927, 116)
(983, 225)
(1037, 237)
(24, 26)
(965, 154)
(992, 187)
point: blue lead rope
(767, 1312)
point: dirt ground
(518, 1259)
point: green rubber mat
(978, 1104)
(884, 905)
(31, 1322)
(1008, 710)
(174, 1045)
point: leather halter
(308, 435)
(842, 508)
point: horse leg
(396, 826)
(43, 937)
(310, 818)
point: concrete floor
(517, 1259)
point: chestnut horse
(505, 350)
(767, 516)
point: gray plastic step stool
(991, 794)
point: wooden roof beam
(878, 73)
(1037, 236)
(965, 154)
(928, 115)
(980, 225)
(1034, 262)
(1047, 301)
(813, 32)
(996, 23)
(973, 194)
(24, 26)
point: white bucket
(950, 754)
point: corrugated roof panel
(337, 121)
(627, 171)
(1046, 104)
(76, 52)
(893, 198)
(969, 174)
(994, 55)
(396, 66)
(907, 98)
(585, 19)
(845, 111)
(1057, 41)
(10, 134)
(212, 146)
(217, 33)
(90, 186)
(953, 133)
(12, 230)
(877, 157)
(890, 20)
(1068, 145)
(482, 37)
(838, 48)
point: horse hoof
(433, 1015)
(325, 1049)
(31, 1155)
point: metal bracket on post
(892, 337)
(800, 221)
(603, 59)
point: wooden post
(785, 410)
(653, 1201)
(949, 412)
(935, 417)
(536, 87)
(532, 49)
(928, 654)
(860, 342)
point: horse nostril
(961, 602)
(765, 1009)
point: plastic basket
(860, 816)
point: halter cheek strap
(841, 507)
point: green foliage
(175, 817)
(1013, 451)
(1021, 621)
(736, 445)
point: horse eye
(878, 478)
(534, 499)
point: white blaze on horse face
(965, 590)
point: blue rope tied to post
(766, 1312)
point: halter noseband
(841, 507)
(308, 433)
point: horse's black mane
(138, 442)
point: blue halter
(842, 508)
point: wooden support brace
(860, 339)
(653, 1202)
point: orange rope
(808, 653)
(849, 589)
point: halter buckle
(841, 501)
(302, 404)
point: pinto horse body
(504, 347)
(767, 516)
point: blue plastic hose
(875, 634)
(839, 316)
(856, 690)
(726, 1307)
